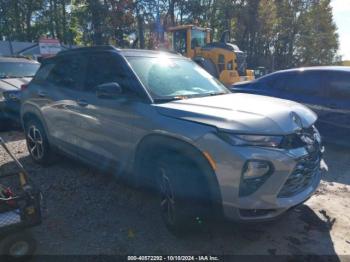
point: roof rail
(88, 48)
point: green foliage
(275, 34)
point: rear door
(336, 120)
(58, 95)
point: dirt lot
(93, 213)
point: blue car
(326, 90)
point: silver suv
(161, 121)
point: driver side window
(103, 69)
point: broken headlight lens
(252, 140)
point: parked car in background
(326, 90)
(162, 121)
(14, 72)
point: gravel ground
(92, 213)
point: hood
(242, 113)
(11, 84)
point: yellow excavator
(223, 60)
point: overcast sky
(341, 13)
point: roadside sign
(49, 47)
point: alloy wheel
(35, 143)
(167, 200)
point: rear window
(65, 72)
(43, 72)
(68, 71)
(17, 69)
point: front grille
(307, 168)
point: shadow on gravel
(12, 134)
(92, 213)
(338, 159)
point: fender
(153, 144)
(31, 109)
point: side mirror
(109, 90)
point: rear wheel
(182, 191)
(37, 142)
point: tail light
(24, 87)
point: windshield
(174, 78)
(17, 69)
(198, 38)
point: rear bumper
(271, 199)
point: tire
(182, 191)
(18, 246)
(37, 143)
(208, 66)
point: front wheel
(182, 191)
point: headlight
(251, 140)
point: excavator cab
(221, 59)
(186, 38)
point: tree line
(276, 34)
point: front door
(106, 136)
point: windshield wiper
(168, 99)
(207, 94)
(217, 93)
(5, 77)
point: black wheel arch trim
(30, 110)
(169, 143)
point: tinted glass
(198, 38)
(172, 77)
(306, 83)
(18, 69)
(267, 81)
(339, 85)
(43, 72)
(68, 72)
(104, 69)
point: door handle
(82, 102)
(42, 94)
